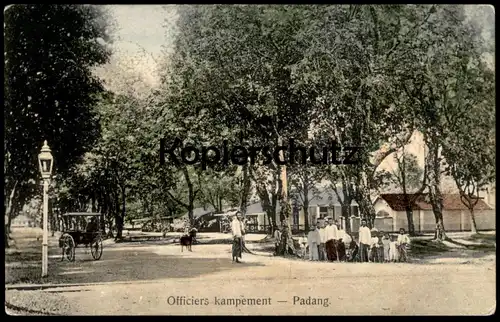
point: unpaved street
(162, 280)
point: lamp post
(45, 162)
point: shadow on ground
(427, 249)
(126, 265)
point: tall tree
(442, 82)
(49, 88)
(410, 178)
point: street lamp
(45, 161)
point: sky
(140, 37)
(141, 34)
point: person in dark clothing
(92, 226)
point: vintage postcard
(249, 160)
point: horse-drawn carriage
(81, 228)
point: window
(323, 212)
(355, 210)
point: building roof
(325, 196)
(450, 202)
(199, 212)
(320, 198)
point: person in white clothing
(340, 246)
(402, 242)
(331, 240)
(365, 239)
(321, 249)
(373, 248)
(346, 238)
(237, 230)
(303, 245)
(393, 250)
(313, 241)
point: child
(353, 250)
(386, 242)
(402, 243)
(313, 240)
(393, 250)
(303, 245)
(380, 248)
(373, 249)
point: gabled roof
(199, 212)
(450, 202)
(325, 196)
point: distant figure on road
(365, 239)
(237, 231)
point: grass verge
(425, 247)
(32, 302)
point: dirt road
(158, 280)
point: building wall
(485, 219)
(384, 224)
(428, 221)
(452, 220)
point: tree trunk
(267, 206)
(9, 210)
(366, 207)
(306, 214)
(94, 206)
(286, 245)
(473, 227)
(346, 214)
(411, 224)
(246, 189)
(436, 197)
(119, 212)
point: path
(155, 275)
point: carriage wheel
(69, 247)
(96, 248)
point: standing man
(402, 242)
(365, 239)
(237, 231)
(313, 241)
(322, 234)
(340, 242)
(331, 240)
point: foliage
(49, 89)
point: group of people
(327, 242)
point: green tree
(410, 178)
(49, 89)
(442, 81)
